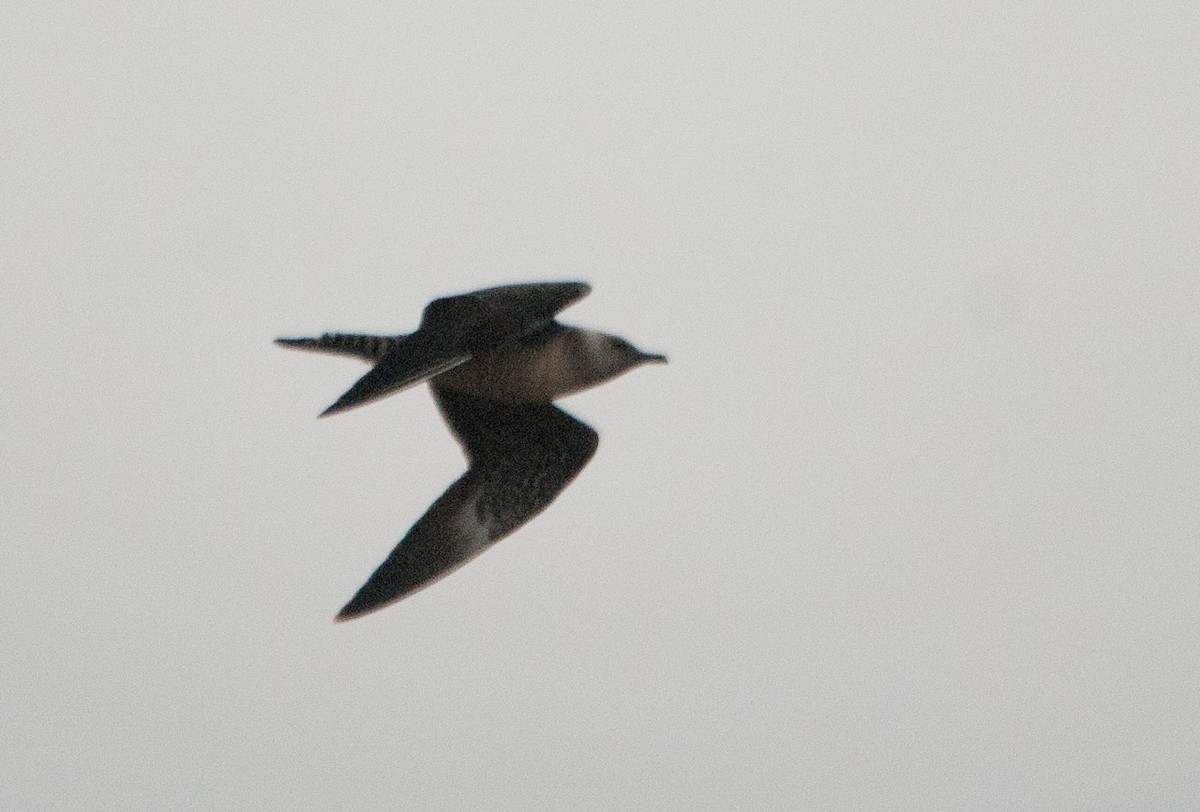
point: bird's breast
(520, 373)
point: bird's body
(495, 360)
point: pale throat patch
(595, 349)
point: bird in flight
(495, 360)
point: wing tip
(357, 607)
(346, 614)
(358, 395)
(334, 409)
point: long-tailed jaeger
(495, 359)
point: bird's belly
(513, 376)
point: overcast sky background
(910, 520)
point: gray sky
(909, 522)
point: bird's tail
(365, 347)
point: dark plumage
(495, 359)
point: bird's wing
(487, 318)
(455, 328)
(420, 356)
(365, 347)
(521, 457)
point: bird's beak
(653, 358)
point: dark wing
(367, 348)
(420, 356)
(455, 328)
(521, 457)
(487, 318)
